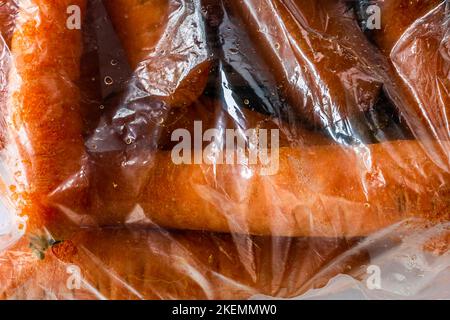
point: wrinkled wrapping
(224, 149)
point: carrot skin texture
(324, 191)
(44, 102)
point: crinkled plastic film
(224, 149)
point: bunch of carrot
(325, 66)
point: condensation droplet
(277, 46)
(108, 80)
(114, 62)
(129, 141)
(246, 102)
(101, 107)
(233, 50)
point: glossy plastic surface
(223, 149)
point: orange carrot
(44, 100)
(324, 64)
(148, 264)
(165, 40)
(414, 35)
(318, 191)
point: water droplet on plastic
(114, 62)
(233, 50)
(246, 102)
(108, 80)
(101, 107)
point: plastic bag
(221, 149)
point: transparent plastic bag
(223, 149)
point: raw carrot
(324, 64)
(414, 36)
(44, 102)
(216, 114)
(149, 264)
(166, 41)
(113, 172)
(397, 16)
(326, 191)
